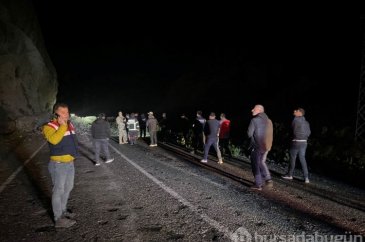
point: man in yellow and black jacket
(60, 134)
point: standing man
(133, 127)
(152, 126)
(164, 125)
(212, 134)
(301, 132)
(260, 130)
(224, 135)
(142, 125)
(60, 134)
(100, 132)
(198, 131)
(121, 122)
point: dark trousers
(224, 143)
(198, 141)
(142, 132)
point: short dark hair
(59, 105)
(212, 114)
(199, 112)
(101, 115)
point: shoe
(220, 162)
(306, 180)
(64, 223)
(256, 188)
(155, 145)
(269, 183)
(110, 160)
(287, 177)
(204, 161)
(151, 145)
(97, 164)
(68, 215)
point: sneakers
(287, 177)
(109, 160)
(64, 223)
(306, 180)
(220, 161)
(204, 161)
(69, 215)
(256, 188)
(97, 164)
(269, 183)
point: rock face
(28, 79)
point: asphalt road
(149, 194)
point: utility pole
(360, 120)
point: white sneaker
(97, 164)
(287, 177)
(220, 162)
(306, 180)
(110, 160)
(204, 161)
(64, 223)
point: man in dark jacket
(298, 147)
(198, 131)
(211, 131)
(100, 132)
(260, 131)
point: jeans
(259, 167)
(62, 175)
(298, 149)
(210, 142)
(101, 144)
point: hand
(61, 120)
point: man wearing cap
(152, 126)
(100, 132)
(301, 132)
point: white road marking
(15, 173)
(182, 200)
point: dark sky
(110, 58)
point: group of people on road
(60, 134)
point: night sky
(110, 58)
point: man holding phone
(60, 134)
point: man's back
(100, 129)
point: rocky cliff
(28, 81)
